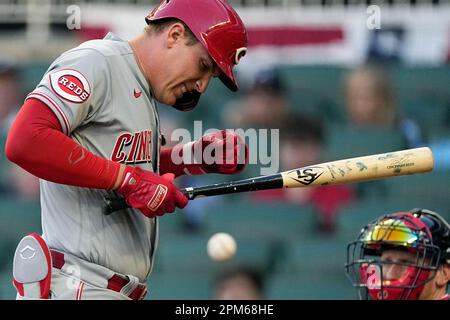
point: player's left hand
(152, 194)
(222, 152)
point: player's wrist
(130, 180)
(181, 159)
(120, 176)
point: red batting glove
(152, 194)
(218, 152)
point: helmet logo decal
(373, 277)
(239, 54)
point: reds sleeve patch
(70, 85)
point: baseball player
(402, 256)
(90, 129)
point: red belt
(115, 283)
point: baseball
(221, 246)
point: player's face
(394, 263)
(191, 68)
(393, 270)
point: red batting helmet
(422, 233)
(216, 25)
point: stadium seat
(4, 166)
(420, 81)
(315, 90)
(19, 216)
(264, 220)
(346, 142)
(322, 80)
(427, 112)
(17, 219)
(32, 73)
(308, 286)
(428, 189)
(353, 218)
(326, 256)
(188, 254)
(179, 286)
(7, 290)
(172, 223)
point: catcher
(402, 256)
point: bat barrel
(373, 167)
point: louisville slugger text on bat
(372, 167)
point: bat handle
(116, 204)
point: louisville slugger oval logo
(306, 176)
(70, 85)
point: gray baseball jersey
(104, 103)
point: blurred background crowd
(338, 78)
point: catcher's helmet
(424, 234)
(216, 26)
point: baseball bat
(372, 167)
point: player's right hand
(152, 194)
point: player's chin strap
(188, 101)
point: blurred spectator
(302, 144)
(370, 103)
(441, 153)
(24, 185)
(263, 106)
(11, 95)
(239, 283)
(369, 98)
(15, 182)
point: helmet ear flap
(447, 255)
(442, 236)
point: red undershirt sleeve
(37, 144)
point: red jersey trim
(80, 290)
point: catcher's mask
(219, 29)
(395, 255)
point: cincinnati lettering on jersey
(133, 147)
(70, 85)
